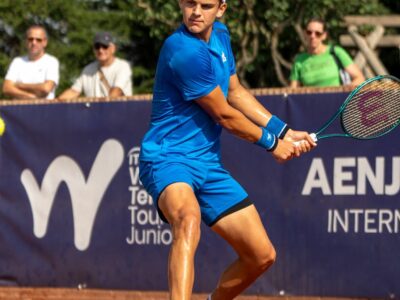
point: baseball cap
(103, 38)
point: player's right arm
(238, 124)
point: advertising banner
(73, 212)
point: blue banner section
(73, 211)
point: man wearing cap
(108, 76)
(36, 74)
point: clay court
(91, 294)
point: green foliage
(141, 26)
(71, 26)
(284, 14)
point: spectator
(319, 66)
(36, 74)
(108, 76)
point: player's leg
(179, 205)
(244, 231)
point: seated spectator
(36, 74)
(320, 66)
(108, 76)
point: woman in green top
(317, 66)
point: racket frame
(343, 106)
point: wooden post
(372, 39)
(370, 56)
(387, 20)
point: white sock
(209, 297)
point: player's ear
(221, 9)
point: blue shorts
(216, 191)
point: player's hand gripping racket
(370, 111)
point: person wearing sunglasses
(321, 64)
(107, 76)
(36, 74)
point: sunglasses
(98, 46)
(31, 39)
(317, 33)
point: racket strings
(373, 110)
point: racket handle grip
(313, 136)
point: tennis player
(196, 94)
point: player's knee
(270, 257)
(187, 226)
(264, 260)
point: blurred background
(266, 34)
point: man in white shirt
(108, 76)
(35, 75)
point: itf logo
(147, 228)
(86, 194)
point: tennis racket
(370, 111)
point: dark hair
(37, 26)
(317, 20)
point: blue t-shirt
(188, 68)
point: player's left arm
(240, 98)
